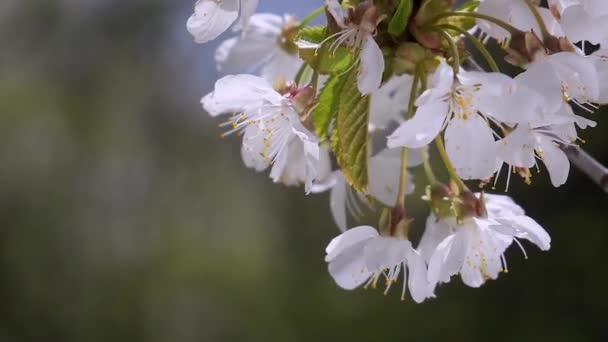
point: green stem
(478, 45)
(539, 20)
(414, 91)
(508, 27)
(311, 16)
(315, 81)
(428, 170)
(453, 49)
(402, 179)
(300, 73)
(448, 165)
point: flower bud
(303, 99)
(439, 197)
(395, 223)
(409, 54)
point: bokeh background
(125, 217)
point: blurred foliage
(126, 218)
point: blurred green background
(125, 217)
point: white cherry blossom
(264, 46)
(475, 247)
(359, 36)
(272, 132)
(462, 107)
(516, 13)
(212, 17)
(362, 256)
(583, 20)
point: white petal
(384, 170)
(542, 78)
(336, 11)
(390, 102)
(501, 205)
(417, 280)
(448, 258)
(247, 10)
(435, 231)
(348, 239)
(581, 25)
(239, 93)
(440, 83)
(600, 60)
(470, 146)
(212, 18)
(348, 268)
(337, 201)
(371, 67)
(483, 260)
(517, 148)
(281, 66)
(578, 74)
(382, 253)
(325, 179)
(496, 9)
(238, 55)
(420, 130)
(526, 228)
(555, 160)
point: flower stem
(402, 179)
(478, 45)
(448, 164)
(311, 16)
(300, 74)
(428, 170)
(453, 49)
(539, 20)
(508, 27)
(404, 152)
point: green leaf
(327, 62)
(312, 34)
(350, 135)
(401, 18)
(465, 23)
(327, 105)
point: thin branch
(582, 160)
(588, 165)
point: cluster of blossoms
(351, 106)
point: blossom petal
(247, 10)
(348, 268)
(348, 239)
(211, 18)
(383, 171)
(382, 253)
(420, 130)
(337, 201)
(448, 258)
(484, 255)
(470, 146)
(434, 233)
(555, 160)
(417, 280)
(524, 227)
(517, 148)
(337, 12)
(237, 55)
(239, 93)
(371, 67)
